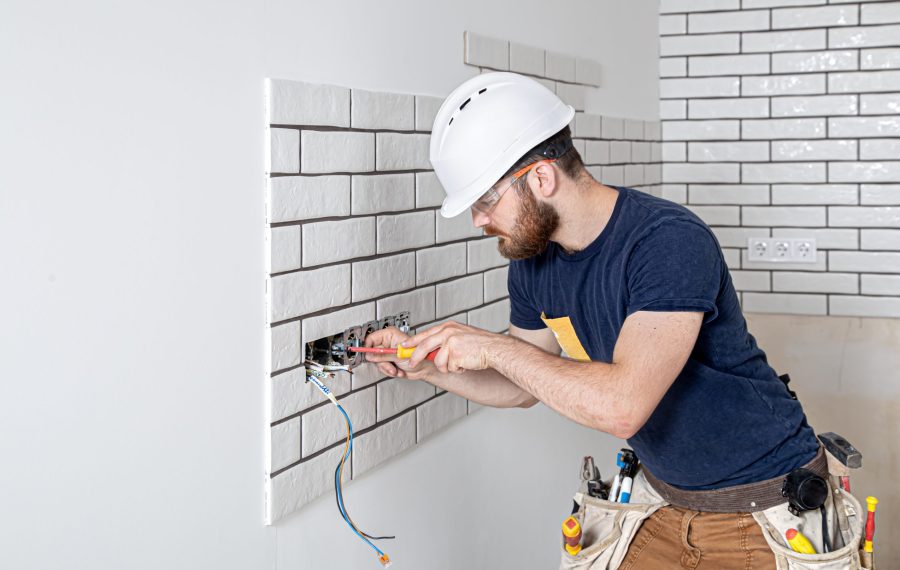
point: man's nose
(479, 219)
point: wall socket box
(332, 350)
(787, 250)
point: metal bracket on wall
(332, 350)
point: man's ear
(545, 180)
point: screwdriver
(401, 352)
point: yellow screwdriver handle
(405, 353)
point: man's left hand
(461, 347)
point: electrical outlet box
(781, 250)
(332, 350)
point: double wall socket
(333, 350)
(787, 250)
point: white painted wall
(131, 235)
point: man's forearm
(487, 387)
(590, 393)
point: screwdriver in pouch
(401, 352)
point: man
(636, 291)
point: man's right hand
(387, 363)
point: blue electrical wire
(337, 486)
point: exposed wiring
(316, 376)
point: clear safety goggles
(489, 200)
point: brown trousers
(674, 538)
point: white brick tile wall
(429, 192)
(439, 263)
(619, 152)
(587, 125)
(820, 106)
(597, 152)
(805, 62)
(456, 228)
(439, 413)
(299, 293)
(886, 13)
(405, 231)
(865, 306)
(284, 243)
(397, 151)
(791, 304)
(559, 66)
(483, 255)
(372, 194)
(880, 59)
(865, 261)
(728, 151)
(336, 151)
(284, 341)
(426, 111)
(803, 194)
(291, 393)
(825, 238)
(293, 198)
(814, 150)
(459, 295)
(783, 215)
(668, 6)
(783, 41)
(588, 72)
(613, 128)
(800, 282)
(574, 95)
(864, 126)
(751, 280)
(864, 171)
(880, 284)
(728, 194)
(419, 303)
(495, 284)
(880, 104)
(728, 108)
(285, 444)
(672, 25)
(296, 103)
(875, 36)
(880, 194)
(398, 394)
(336, 322)
(815, 17)
(384, 442)
(493, 317)
(383, 275)
(864, 217)
(374, 110)
(879, 149)
(300, 485)
(324, 426)
(526, 59)
(708, 44)
(284, 151)
(880, 239)
(700, 87)
(327, 242)
(793, 172)
(484, 51)
(808, 112)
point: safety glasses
(489, 200)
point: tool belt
(748, 498)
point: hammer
(842, 457)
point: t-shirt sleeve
(676, 267)
(523, 312)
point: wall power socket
(786, 250)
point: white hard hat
(484, 127)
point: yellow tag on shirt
(565, 335)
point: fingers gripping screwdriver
(401, 352)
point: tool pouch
(608, 528)
(845, 526)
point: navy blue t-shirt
(727, 419)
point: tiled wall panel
(781, 118)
